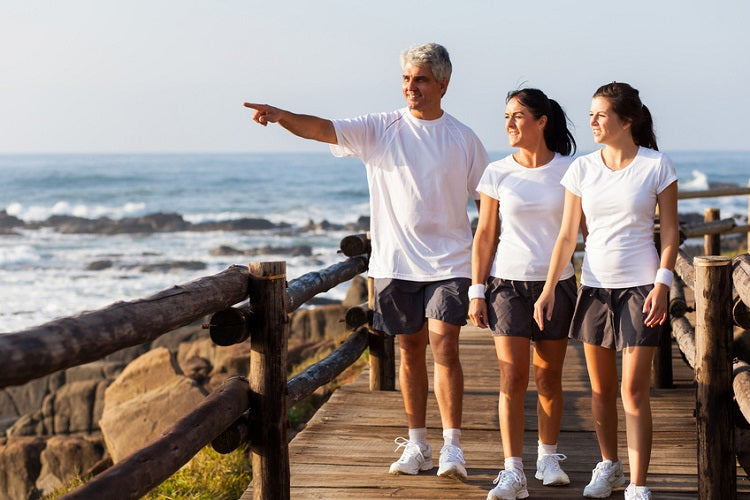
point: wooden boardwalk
(345, 450)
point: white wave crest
(698, 182)
(18, 255)
(42, 212)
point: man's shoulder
(383, 119)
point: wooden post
(712, 242)
(268, 342)
(663, 374)
(713, 374)
(662, 363)
(382, 355)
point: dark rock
(164, 267)
(292, 251)
(98, 265)
(197, 368)
(66, 456)
(357, 293)
(20, 465)
(244, 224)
(9, 221)
(317, 323)
(226, 250)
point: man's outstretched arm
(306, 126)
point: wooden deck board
(346, 448)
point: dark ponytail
(557, 136)
(626, 102)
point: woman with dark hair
(624, 282)
(520, 214)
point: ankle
(452, 437)
(514, 463)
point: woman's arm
(483, 253)
(561, 254)
(655, 305)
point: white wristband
(664, 276)
(476, 291)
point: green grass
(207, 476)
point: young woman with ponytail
(624, 282)
(520, 215)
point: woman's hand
(478, 312)
(655, 306)
(543, 308)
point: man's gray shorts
(401, 306)
(613, 318)
(510, 308)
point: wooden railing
(721, 287)
(250, 410)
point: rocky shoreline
(165, 222)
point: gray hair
(432, 55)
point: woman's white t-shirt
(619, 206)
(530, 205)
(420, 174)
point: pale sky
(171, 76)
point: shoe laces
(552, 460)
(452, 453)
(602, 470)
(410, 448)
(508, 477)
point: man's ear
(443, 86)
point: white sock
(546, 449)
(419, 436)
(452, 437)
(638, 489)
(514, 463)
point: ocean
(45, 274)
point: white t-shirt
(421, 174)
(619, 206)
(530, 208)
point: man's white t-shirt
(421, 174)
(619, 206)
(530, 209)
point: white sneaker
(604, 477)
(511, 484)
(413, 459)
(633, 492)
(452, 463)
(549, 471)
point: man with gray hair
(422, 164)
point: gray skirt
(613, 318)
(510, 308)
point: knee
(445, 353)
(634, 397)
(548, 383)
(513, 380)
(605, 396)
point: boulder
(357, 293)
(19, 467)
(146, 398)
(64, 457)
(317, 323)
(217, 362)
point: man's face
(422, 92)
